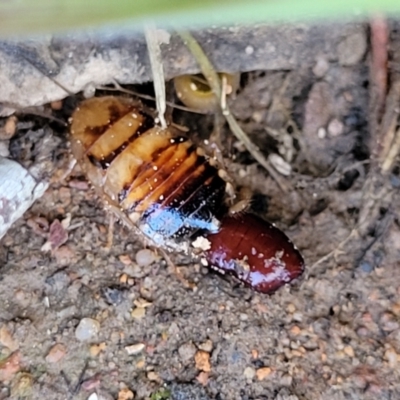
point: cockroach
(162, 185)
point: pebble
(153, 376)
(96, 349)
(145, 257)
(4, 149)
(9, 128)
(56, 353)
(202, 361)
(249, 373)
(351, 50)
(125, 259)
(186, 352)
(91, 383)
(138, 313)
(321, 133)
(93, 396)
(262, 373)
(291, 308)
(125, 394)
(348, 350)
(202, 378)
(56, 105)
(321, 67)
(206, 346)
(7, 340)
(135, 348)
(391, 357)
(335, 128)
(10, 366)
(87, 329)
(113, 295)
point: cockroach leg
(242, 203)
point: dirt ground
(88, 321)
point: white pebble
(135, 348)
(249, 373)
(145, 257)
(335, 128)
(87, 329)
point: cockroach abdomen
(154, 176)
(254, 251)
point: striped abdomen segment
(155, 175)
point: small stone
(249, 50)
(153, 376)
(254, 354)
(10, 366)
(9, 128)
(202, 361)
(202, 378)
(145, 257)
(321, 67)
(125, 259)
(87, 329)
(348, 350)
(78, 184)
(93, 396)
(321, 133)
(134, 349)
(291, 308)
(125, 394)
(295, 330)
(4, 148)
(64, 255)
(96, 349)
(187, 351)
(138, 313)
(206, 346)
(391, 357)
(335, 128)
(298, 317)
(56, 105)
(92, 383)
(7, 340)
(262, 373)
(56, 353)
(113, 295)
(351, 50)
(123, 278)
(296, 353)
(249, 373)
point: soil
(82, 317)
